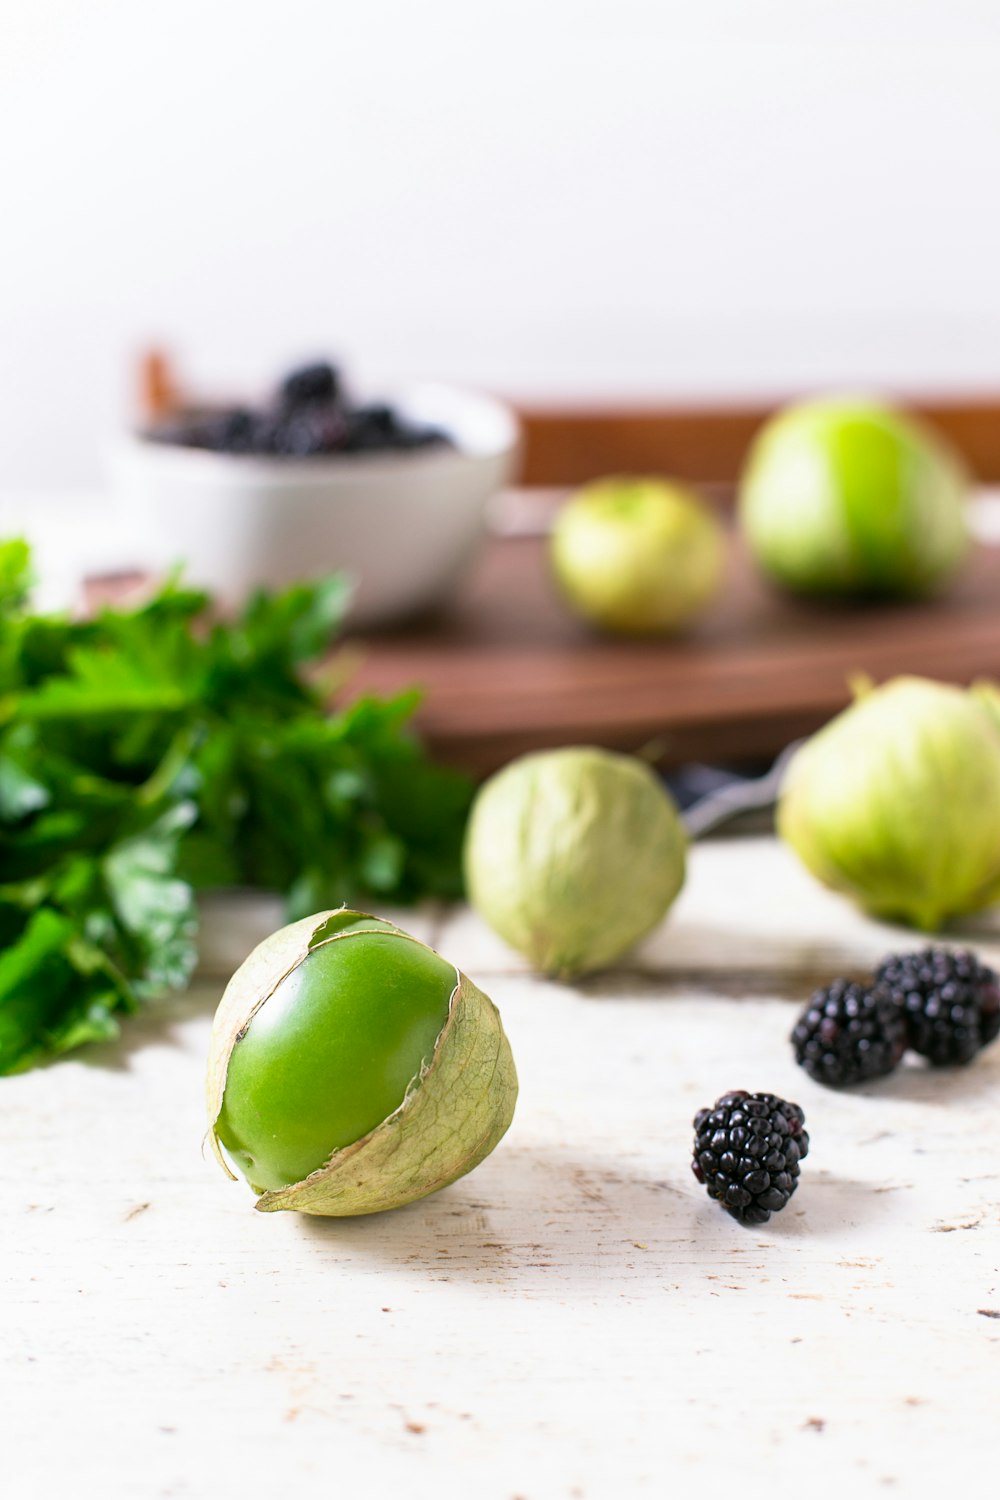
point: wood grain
(506, 668)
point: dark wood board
(566, 445)
(506, 668)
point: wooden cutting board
(506, 668)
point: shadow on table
(829, 1206)
(919, 1083)
(531, 1213)
(714, 983)
(555, 1223)
(157, 1025)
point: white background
(568, 198)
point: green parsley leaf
(148, 754)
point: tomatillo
(353, 1070)
(573, 855)
(640, 556)
(896, 802)
(845, 496)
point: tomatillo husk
(456, 1105)
(573, 855)
(896, 802)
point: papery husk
(896, 802)
(573, 855)
(453, 1114)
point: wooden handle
(159, 393)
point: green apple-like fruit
(573, 855)
(640, 556)
(896, 802)
(847, 496)
(352, 1069)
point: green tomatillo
(573, 855)
(638, 556)
(849, 496)
(897, 802)
(353, 1070)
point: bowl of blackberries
(311, 480)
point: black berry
(309, 417)
(232, 432)
(304, 433)
(747, 1150)
(949, 1000)
(849, 1032)
(317, 382)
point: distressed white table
(576, 1320)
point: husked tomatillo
(353, 1070)
(896, 802)
(573, 855)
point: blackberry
(421, 437)
(378, 429)
(949, 1000)
(849, 1032)
(318, 382)
(310, 416)
(747, 1150)
(232, 432)
(372, 429)
(304, 433)
(191, 429)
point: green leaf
(102, 681)
(15, 576)
(155, 911)
(149, 753)
(383, 860)
(20, 792)
(34, 978)
(299, 624)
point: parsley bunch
(151, 753)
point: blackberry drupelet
(747, 1150)
(949, 1000)
(849, 1032)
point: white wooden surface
(576, 1320)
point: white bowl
(400, 524)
